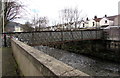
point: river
(93, 67)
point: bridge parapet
(50, 37)
(33, 62)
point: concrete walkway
(9, 66)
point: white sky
(51, 8)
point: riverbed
(91, 66)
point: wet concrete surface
(93, 67)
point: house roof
(13, 24)
(109, 18)
(97, 19)
(112, 17)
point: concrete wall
(113, 34)
(33, 62)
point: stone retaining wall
(33, 62)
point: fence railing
(50, 37)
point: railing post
(62, 35)
(81, 34)
(32, 38)
(96, 33)
(72, 35)
(5, 43)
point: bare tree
(39, 22)
(70, 16)
(27, 27)
(12, 11)
(42, 22)
(34, 22)
(76, 17)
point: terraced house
(101, 22)
(88, 23)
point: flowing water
(93, 67)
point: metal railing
(50, 37)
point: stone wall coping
(57, 67)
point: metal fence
(50, 37)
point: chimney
(87, 19)
(105, 15)
(95, 17)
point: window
(93, 23)
(105, 21)
(83, 25)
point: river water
(93, 67)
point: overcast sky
(51, 8)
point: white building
(92, 23)
(18, 29)
(106, 21)
(83, 24)
(89, 23)
(100, 22)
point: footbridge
(56, 37)
(33, 62)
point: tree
(40, 22)
(12, 10)
(70, 16)
(27, 27)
